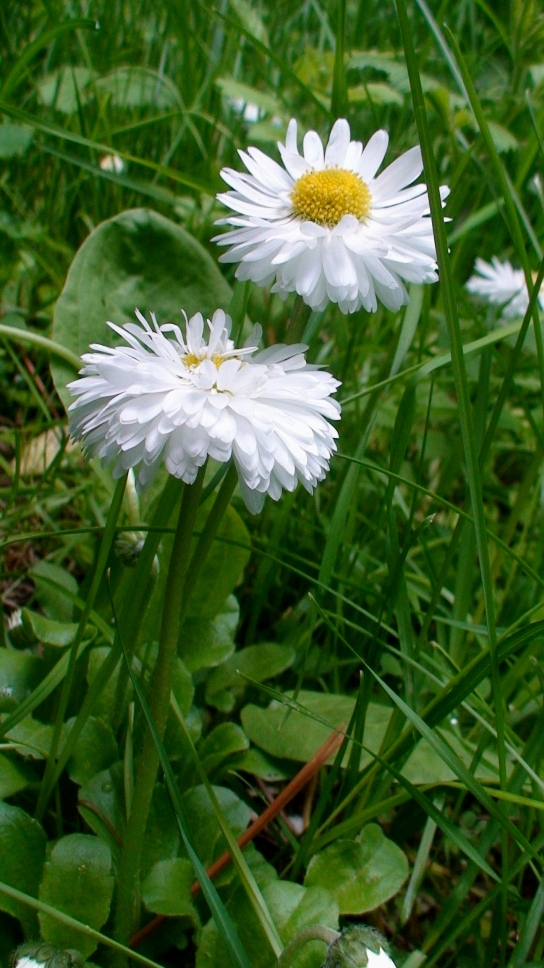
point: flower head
(358, 946)
(326, 225)
(44, 955)
(181, 398)
(502, 285)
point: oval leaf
(138, 259)
(361, 874)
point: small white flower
(112, 163)
(502, 285)
(326, 225)
(183, 399)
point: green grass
(410, 584)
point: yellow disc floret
(326, 196)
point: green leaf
(360, 874)
(15, 139)
(136, 87)
(22, 855)
(223, 741)
(206, 642)
(55, 589)
(167, 888)
(20, 673)
(63, 89)
(95, 750)
(34, 738)
(292, 907)
(208, 839)
(300, 736)
(225, 564)
(258, 662)
(136, 259)
(13, 777)
(77, 880)
(102, 804)
(48, 630)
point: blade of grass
(219, 913)
(70, 922)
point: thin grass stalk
(465, 412)
(101, 563)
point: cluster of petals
(360, 259)
(176, 398)
(502, 285)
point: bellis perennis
(181, 398)
(502, 285)
(326, 225)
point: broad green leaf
(95, 750)
(34, 738)
(137, 87)
(48, 630)
(299, 736)
(15, 139)
(136, 259)
(20, 673)
(223, 742)
(225, 564)
(77, 880)
(182, 687)
(63, 88)
(208, 839)
(360, 874)
(167, 888)
(13, 777)
(206, 642)
(101, 801)
(54, 588)
(22, 855)
(258, 662)
(292, 907)
(105, 703)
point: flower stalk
(128, 886)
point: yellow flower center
(326, 196)
(191, 359)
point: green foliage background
(422, 551)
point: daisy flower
(502, 285)
(358, 945)
(183, 397)
(326, 225)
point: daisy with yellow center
(178, 396)
(326, 225)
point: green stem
(129, 867)
(315, 932)
(102, 560)
(297, 324)
(209, 532)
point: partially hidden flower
(179, 398)
(502, 285)
(41, 954)
(326, 225)
(358, 946)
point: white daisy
(189, 397)
(502, 285)
(326, 225)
